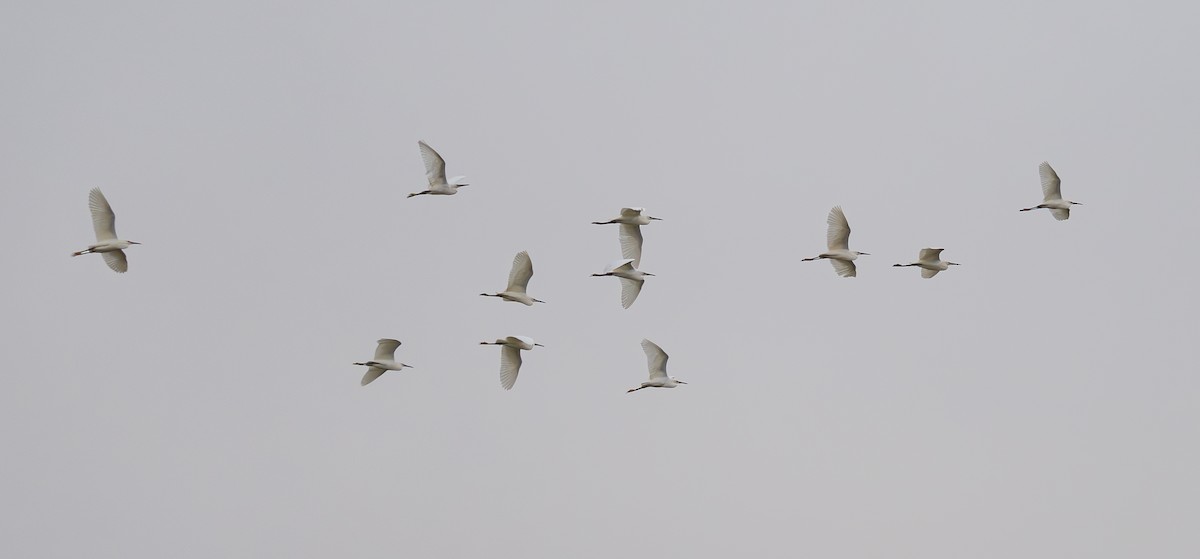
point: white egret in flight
(930, 261)
(435, 171)
(518, 281)
(630, 234)
(385, 360)
(1052, 194)
(510, 357)
(656, 360)
(631, 279)
(838, 241)
(104, 221)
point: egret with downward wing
(435, 171)
(385, 360)
(104, 221)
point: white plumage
(1052, 194)
(631, 279)
(510, 357)
(630, 232)
(656, 362)
(385, 360)
(518, 282)
(837, 240)
(104, 223)
(930, 262)
(435, 172)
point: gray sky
(1034, 402)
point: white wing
(435, 166)
(526, 340)
(927, 273)
(838, 236)
(510, 365)
(631, 243)
(1060, 214)
(930, 254)
(104, 221)
(386, 349)
(843, 268)
(631, 212)
(629, 291)
(656, 360)
(1051, 185)
(522, 270)
(625, 265)
(371, 374)
(116, 260)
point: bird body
(630, 232)
(104, 223)
(838, 242)
(435, 172)
(385, 360)
(510, 357)
(518, 282)
(1052, 194)
(631, 279)
(656, 362)
(930, 262)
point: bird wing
(116, 260)
(629, 291)
(656, 360)
(838, 236)
(843, 268)
(1060, 214)
(371, 374)
(1051, 185)
(104, 221)
(626, 265)
(435, 166)
(632, 212)
(631, 243)
(510, 365)
(930, 254)
(525, 341)
(386, 350)
(522, 270)
(927, 273)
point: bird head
(456, 182)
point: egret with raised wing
(631, 279)
(518, 282)
(656, 361)
(838, 241)
(385, 360)
(104, 222)
(930, 261)
(510, 357)
(630, 233)
(435, 171)
(1052, 194)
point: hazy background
(1038, 401)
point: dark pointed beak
(655, 218)
(539, 345)
(134, 243)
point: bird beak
(402, 365)
(864, 254)
(539, 345)
(655, 218)
(954, 263)
(647, 274)
(681, 382)
(134, 243)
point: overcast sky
(1038, 401)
